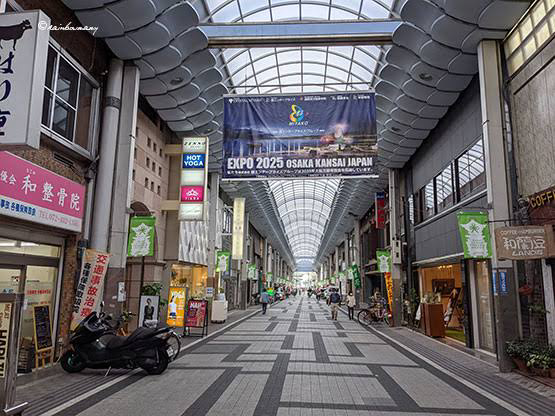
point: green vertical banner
(383, 258)
(356, 276)
(251, 272)
(141, 237)
(223, 258)
(475, 236)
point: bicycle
(377, 312)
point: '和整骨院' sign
(24, 48)
(299, 136)
(29, 192)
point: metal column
(395, 245)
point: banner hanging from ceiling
(299, 136)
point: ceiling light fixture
(176, 81)
(424, 76)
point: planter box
(520, 364)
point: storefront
(191, 277)
(40, 214)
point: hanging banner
(299, 136)
(23, 61)
(356, 276)
(238, 229)
(389, 286)
(91, 285)
(475, 236)
(523, 242)
(383, 258)
(141, 237)
(223, 265)
(251, 274)
(176, 307)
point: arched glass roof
(304, 206)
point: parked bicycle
(376, 312)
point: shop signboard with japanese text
(223, 263)
(91, 284)
(356, 276)
(380, 210)
(24, 46)
(299, 136)
(32, 193)
(475, 236)
(5, 320)
(524, 242)
(194, 178)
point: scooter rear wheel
(160, 366)
(72, 362)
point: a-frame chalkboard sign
(43, 335)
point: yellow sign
(389, 286)
(176, 307)
(542, 198)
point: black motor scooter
(94, 345)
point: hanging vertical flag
(238, 228)
(475, 236)
(141, 237)
(384, 261)
(356, 276)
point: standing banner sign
(176, 307)
(23, 60)
(5, 321)
(384, 261)
(197, 316)
(389, 286)
(356, 276)
(91, 285)
(141, 237)
(475, 236)
(299, 136)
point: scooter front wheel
(72, 362)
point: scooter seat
(115, 341)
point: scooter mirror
(101, 306)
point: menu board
(43, 327)
(196, 313)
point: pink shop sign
(32, 193)
(192, 193)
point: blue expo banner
(193, 161)
(294, 136)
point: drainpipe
(108, 144)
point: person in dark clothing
(264, 300)
(335, 302)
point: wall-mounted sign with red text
(192, 193)
(29, 192)
(380, 209)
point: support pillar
(213, 230)
(395, 245)
(244, 265)
(357, 259)
(506, 306)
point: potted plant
(517, 351)
(541, 362)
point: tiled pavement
(295, 361)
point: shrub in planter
(518, 351)
(541, 362)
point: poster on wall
(475, 236)
(176, 307)
(141, 236)
(31, 193)
(91, 284)
(23, 61)
(298, 136)
(148, 310)
(42, 327)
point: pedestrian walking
(264, 300)
(335, 302)
(318, 294)
(351, 302)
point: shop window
(427, 197)
(160, 152)
(135, 153)
(471, 171)
(444, 189)
(70, 100)
(153, 166)
(28, 249)
(152, 186)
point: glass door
(484, 306)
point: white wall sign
(24, 48)
(238, 228)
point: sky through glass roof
(304, 206)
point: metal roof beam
(283, 34)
